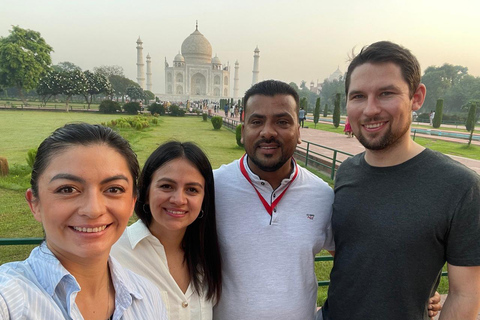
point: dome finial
(196, 25)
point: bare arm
(463, 301)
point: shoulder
(16, 285)
(226, 170)
(442, 163)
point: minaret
(140, 64)
(235, 81)
(256, 58)
(149, 73)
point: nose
(93, 205)
(268, 130)
(372, 107)
(178, 197)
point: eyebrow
(276, 115)
(389, 87)
(67, 176)
(173, 181)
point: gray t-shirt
(394, 229)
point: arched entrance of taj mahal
(198, 84)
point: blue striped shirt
(40, 288)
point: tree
(325, 111)
(135, 92)
(66, 66)
(472, 119)
(330, 90)
(96, 83)
(437, 120)
(120, 85)
(149, 95)
(316, 113)
(24, 59)
(108, 71)
(72, 83)
(336, 111)
(49, 86)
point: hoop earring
(145, 208)
(201, 214)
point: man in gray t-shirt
(400, 211)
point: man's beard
(387, 140)
(270, 167)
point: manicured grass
(456, 149)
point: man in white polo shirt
(273, 216)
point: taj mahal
(194, 73)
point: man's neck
(393, 155)
(274, 178)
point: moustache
(259, 142)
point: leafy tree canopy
(24, 59)
(66, 66)
(108, 71)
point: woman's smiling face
(85, 198)
(175, 197)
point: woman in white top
(83, 190)
(174, 244)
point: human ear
(299, 140)
(33, 204)
(419, 97)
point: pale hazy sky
(298, 40)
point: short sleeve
(463, 241)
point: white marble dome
(179, 58)
(196, 48)
(216, 60)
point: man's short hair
(383, 52)
(271, 88)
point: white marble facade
(195, 74)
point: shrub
(204, 116)
(175, 111)
(336, 111)
(437, 120)
(31, 155)
(217, 122)
(471, 119)
(131, 107)
(3, 166)
(238, 135)
(109, 106)
(156, 108)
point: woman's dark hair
(81, 134)
(200, 242)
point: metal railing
(321, 157)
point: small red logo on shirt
(310, 216)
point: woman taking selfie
(174, 244)
(83, 190)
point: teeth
(90, 230)
(373, 126)
(176, 212)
